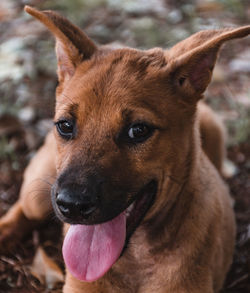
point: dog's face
(124, 125)
(116, 125)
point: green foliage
(239, 128)
(7, 152)
(76, 10)
(237, 7)
(7, 106)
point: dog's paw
(9, 235)
(13, 227)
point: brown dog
(148, 212)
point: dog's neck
(180, 196)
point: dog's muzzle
(72, 208)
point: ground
(27, 85)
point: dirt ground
(28, 82)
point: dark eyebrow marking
(142, 104)
(113, 65)
(69, 112)
(126, 115)
(73, 110)
(95, 92)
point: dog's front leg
(197, 288)
(72, 285)
(34, 203)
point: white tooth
(130, 208)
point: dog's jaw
(90, 250)
(136, 212)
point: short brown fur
(185, 241)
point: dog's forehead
(114, 80)
(123, 68)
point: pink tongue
(90, 251)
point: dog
(136, 158)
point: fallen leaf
(46, 270)
(229, 169)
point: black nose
(73, 206)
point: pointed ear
(72, 45)
(191, 62)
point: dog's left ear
(72, 45)
(191, 61)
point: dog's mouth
(137, 210)
(89, 251)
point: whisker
(37, 192)
(46, 181)
(67, 97)
(52, 216)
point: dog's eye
(65, 128)
(139, 132)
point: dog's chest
(134, 271)
(128, 277)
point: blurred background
(27, 85)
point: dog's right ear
(72, 45)
(191, 61)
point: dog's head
(124, 125)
